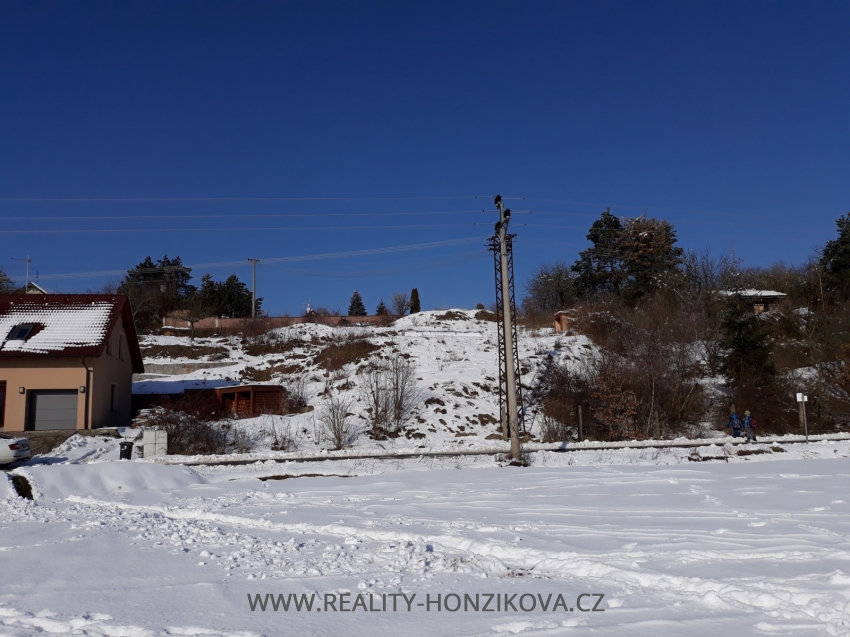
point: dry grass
(484, 315)
(752, 452)
(452, 316)
(185, 351)
(336, 356)
(254, 375)
(266, 346)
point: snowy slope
(455, 360)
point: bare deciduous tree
(335, 420)
(389, 390)
(400, 303)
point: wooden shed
(564, 320)
(247, 401)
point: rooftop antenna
(27, 261)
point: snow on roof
(56, 327)
(764, 294)
(64, 325)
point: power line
(466, 256)
(166, 199)
(291, 259)
(243, 216)
(237, 229)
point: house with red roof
(66, 361)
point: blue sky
(222, 131)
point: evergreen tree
(169, 275)
(355, 306)
(649, 254)
(630, 259)
(746, 338)
(599, 268)
(230, 298)
(414, 301)
(156, 288)
(835, 259)
(381, 309)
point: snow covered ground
(714, 539)
(743, 544)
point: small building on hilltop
(66, 361)
(564, 320)
(761, 300)
(31, 288)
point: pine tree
(156, 288)
(414, 301)
(649, 254)
(355, 306)
(599, 268)
(230, 298)
(835, 259)
(381, 309)
(630, 259)
(746, 338)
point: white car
(13, 449)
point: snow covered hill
(454, 355)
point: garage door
(53, 409)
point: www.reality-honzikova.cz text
(451, 602)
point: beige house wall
(38, 373)
(113, 368)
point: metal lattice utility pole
(510, 393)
(254, 263)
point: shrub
(552, 430)
(278, 435)
(335, 420)
(189, 435)
(389, 390)
(296, 395)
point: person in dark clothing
(749, 427)
(735, 425)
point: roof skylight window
(21, 332)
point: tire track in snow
(94, 625)
(787, 602)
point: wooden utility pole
(254, 263)
(802, 399)
(580, 428)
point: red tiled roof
(66, 325)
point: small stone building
(66, 361)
